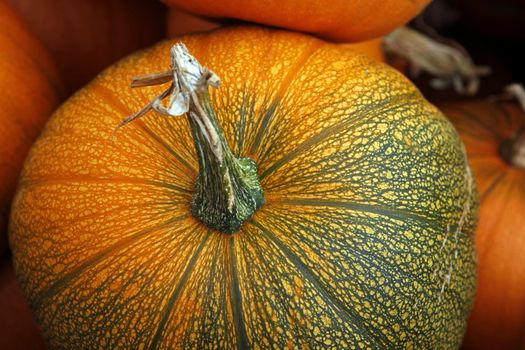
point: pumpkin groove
(360, 186)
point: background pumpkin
(365, 238)
(30, 92)
(339, 20)
(180, 22)
(85, 36)
(18, 330)
(498, 317)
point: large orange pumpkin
(86, 36)
(18, 330)
(30, 91)
(340, 20)
(490, 131)
(364, 239)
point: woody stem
(227, 189)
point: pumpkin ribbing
(369, 207)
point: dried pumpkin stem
(227, 188)
(518, 154)
(513, 149)
(450, 65)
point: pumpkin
(18, 330)
(339, 20)
(30, 92)
(86, 36)
(491, 130)
(372, 48)
(325, 204)
(180, 23)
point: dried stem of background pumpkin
(518, 154)
(516, 91)
(449, 65)
(513, 150)
(227, 189)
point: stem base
(227, 194)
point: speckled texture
(365, 240)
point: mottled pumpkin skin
(369, 204)
(498, 316)
(339, 20)
(30, 91)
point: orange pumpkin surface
(489, 130)
(30, 92)
(18, 330)
(180, 22)
(86, 36)
(339, 20)
(364, 239)
(372, 48)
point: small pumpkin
(86, 36)
(18, 330)
(30, 92)
(339, 20)
(335, 210)
(494, 136)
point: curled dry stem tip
(186, 75)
